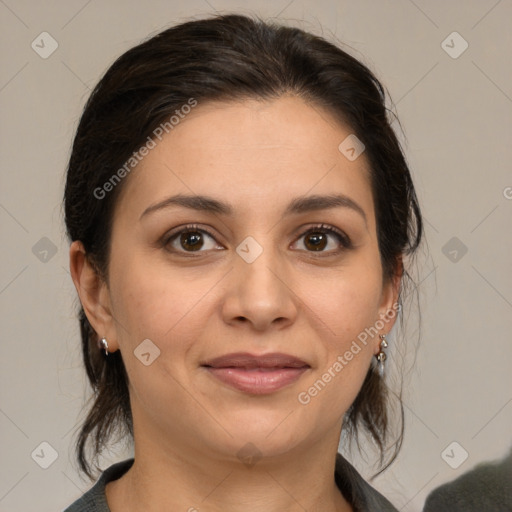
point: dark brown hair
(226, 57)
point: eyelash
(343, 239)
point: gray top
(485, 488)
(360, 494)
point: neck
(164, 479)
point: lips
(256, 375)
(245, 360)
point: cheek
(347, 308)
(168, 309)
(345, 303)
(151, 305)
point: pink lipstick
(257, 375)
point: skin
(188, 426)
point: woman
(239, 209)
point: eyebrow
(296, 206)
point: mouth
(256, 375)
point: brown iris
(192, 240)
(315, 241)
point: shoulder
(94, 500)
(358, 491)
(488, 486)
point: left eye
(320, 240)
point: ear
(94, 294)
(388, 309)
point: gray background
(456, 114)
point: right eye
(190, 239)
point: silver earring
(103, 345)
(381, 356)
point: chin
(252, 447)
(273, 434)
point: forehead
(251, 152)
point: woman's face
(254, 276)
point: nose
(259, 294)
